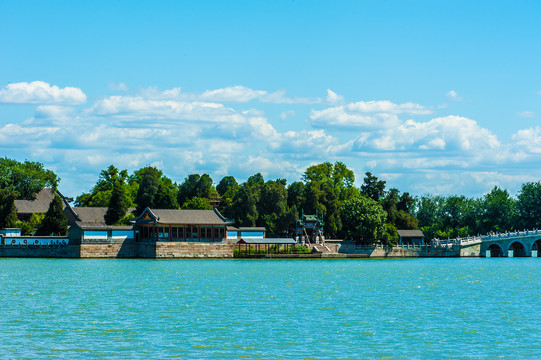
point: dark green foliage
(272, 249)
(118, 204)
(390, 235)
(363, 219)
(244, 207)
(498, 212)
(8, 210)
(274, 213)
(227, 185)
(529, 205)
(197, 203)
(30, 226)
(195, 186)
(295, 194)
(227, 188)
(155, 190)
(372, 187)
(55, 220)
(405, 203)
(100, 195)
(326, 188)
(26, 179)
(405, 221)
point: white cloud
(285, 114)
(118, 86)
(527, 114)
(305, 144)
(365, 114)
(153, 93)
(450, 133)
(241, 94)
(385, 106)
(184, 133)
(39, 92)
(528, 140)
(144, 108)
(233, 94)
(453, 95)
(340, 117)
(333, 98)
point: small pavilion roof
(410, 233)
(270, 241)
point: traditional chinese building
(181, 225)
(411, 237)
(40, 204)
(309, 229)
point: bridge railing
(487, 237)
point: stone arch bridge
(509, 244)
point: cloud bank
(226, 131)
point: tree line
(365, 214)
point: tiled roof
(185, 217)
(248, 229)
(100, 226)
(39, 205)
(410, 233)
(92, 214)
(266, 241)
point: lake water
(312, 309)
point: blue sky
(431, 96)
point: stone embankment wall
(161, 250)
(396, 251)
(38, 251)
(49, 247)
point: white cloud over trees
(240, 131)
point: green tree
(498, 212)
(406, 203)
(30, 226)
(273, 211)
(55, 221)
(26, 179)
(295, 195)
(390, 235)
(228, 184)
(326, 188)
(195, 185)
(118, 204)
(244, 208)
(100, 195)
(363, 219)
(155, 190)
(372, 187)
(227, 188)
(529, 205)
(8, 210)
(405, 221)
(390, 204)
(197, 203)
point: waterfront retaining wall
(397, 251)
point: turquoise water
(314, 309)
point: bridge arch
(494, 250)
(519, 250)
(536, 246)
